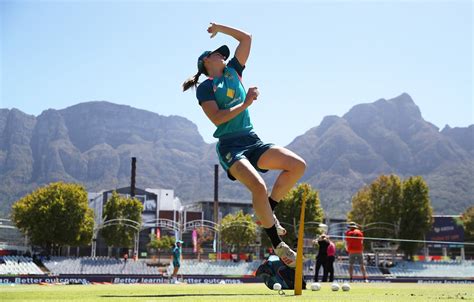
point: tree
(165, 242)
(55, 215)
(378, 206)
(238, 230)
(362, 207)
(203, 235)
(468, 222)
(289, 209)
(404, 209)
(416, 214)
(117, 207)
(467, 219)
(386, 196)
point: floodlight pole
(132, 178)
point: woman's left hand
(213, 29)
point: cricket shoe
(280, 230)
(287, 255)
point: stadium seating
(341, 269)
(193, 267)
(18, 265)
(98, 266)
(433, 269)
(103, 265)
(224, 267)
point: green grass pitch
(236, 292)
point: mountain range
(92, 143)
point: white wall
(166, 200)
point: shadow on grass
(181, 295)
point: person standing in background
(176, 261)
(330, 260)
(355, 249)
(321, 258)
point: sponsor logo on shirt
(233, 102)
(230, 93)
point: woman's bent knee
(298, 166)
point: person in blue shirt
(176, 261)
(241, 153)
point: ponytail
(192, 81)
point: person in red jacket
(355, 249)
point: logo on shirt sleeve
(228, 75)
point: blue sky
(309, 59)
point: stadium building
(161, 212)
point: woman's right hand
(213, 29)
(252, 95)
